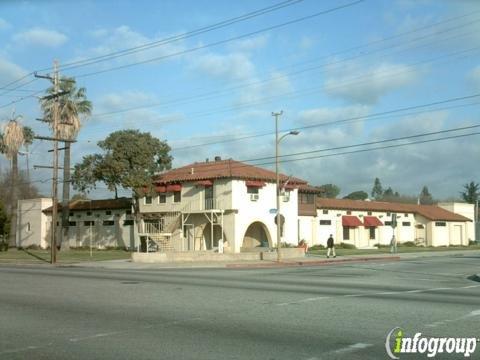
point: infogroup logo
(397, 343)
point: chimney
(218, 158)
(192, 171)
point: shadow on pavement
(35, 256)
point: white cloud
(123, 37)
(40, 37)
(234, 66)
(10, 71)
(4, 24)
(474, 77)
(366, 85)
(250, 44)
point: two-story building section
(222, 205)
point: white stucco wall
(32, 223)
(464, 209)
(249, 211)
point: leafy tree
(129, 160)
(388, 193)
(79, 196)
(357, 195)
(471, 193)
(329, 191)
(377, 190)
(74, 107)
(15, 136)
(425, 197)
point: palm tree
(14, 137)
(73, 108)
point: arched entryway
(256, 235)
(217, 235)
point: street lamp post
(277, 176)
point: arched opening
(257, 235)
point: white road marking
(351, 348)
(413, 291)
(303, 300)
(446, 321)
(95, 336)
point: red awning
(160, 188)
(371, 221)
(174, 187)
(204, 183)
(254, 183)
(351, 221)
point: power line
(225, 41)
(345, 120)
(227, 91)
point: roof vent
(218, 158)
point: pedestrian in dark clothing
(331, 247)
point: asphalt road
(325, 312)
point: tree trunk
(65, 196)
(13, 205)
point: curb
(312, 263)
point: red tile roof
(223, 169)
(430, 212)
(104, 204)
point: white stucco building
(233, 201)
(101, 223)
(368, 223)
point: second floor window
(252, 190)
(306, 198)
(148, 200)
(162, 199)
(177, 196)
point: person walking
(393, 245)
(331, 247)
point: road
(324, 312)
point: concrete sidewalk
(308, 260)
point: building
(98, 223)
(222, 205)
(366, 224)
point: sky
(343, 72)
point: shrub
(345, 246)
(316, 247)
(407, 244)
(3, 246)
(287, 245)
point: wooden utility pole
(53, 244)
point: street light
(277, 154)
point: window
(286, 196)
(148, 200)
(306, 198)
(369, 213)
(346, 233)
(108, 222)
(127, 222)
(349, 212)
(406, 215)
(325, 222)
(89, 223)
(128, 212)
(440, 223)
(70, 213)
(72, 223)
(388, 223)
(406, 223)
(162, 199)
(389, 214)
(89, 213)
(325, 212)
(29, 228)
(108, 212)
(372, 233)
(177, 196)
(252, 190)
(79, 216)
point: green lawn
(400, 249)
(63, 257)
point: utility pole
(56, 94)
(277, 176)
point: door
(209, 203)
(457, 235)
